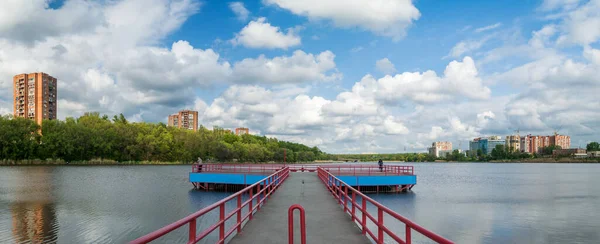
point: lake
(465, 202)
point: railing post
(222, 225)
(258, 197)
(338, 185)
(380, 225)
(291, 224)
(364, 215)
(408, 239)
(345, 199)
(192, 232)
(239, 213)
(250, 204)
(353, 206)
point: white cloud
(40, 22)
(298, 68)
(489, 27)
(468, 46)
(383, 17)
(549, 5)
(356, 49)
(541, 38)
(593, 55)
(385, 66)
(582, 25)
(260, 34)
(460, 80)
(240, 11)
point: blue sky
(349, 77)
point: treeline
(93, 137)
(405, 157)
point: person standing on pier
(380, 165)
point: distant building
(440, 149)
(569, 152)
(593, 154)
(242, 131)
(534, 144)
(34, 96)
(513, 143)
(186, 119)
(486, 145)
(221, 131)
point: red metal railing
(345, 194)
(291, 224)
(237, 168)
(334, 169)
(368, 169)
(259, 191)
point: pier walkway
(335, 211)
(325, 220)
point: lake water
(467, 203)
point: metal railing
(259, 191)
(291, 224)
(346, 194)
(334, 169)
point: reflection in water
(32, 210)
(34, 223)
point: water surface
(467, 203)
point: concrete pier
(326, 222)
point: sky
(348, 76)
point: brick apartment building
(35, 96)
(533, 144)
(186, 119)
(241, 131)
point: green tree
(499, 152)
(548, 150)
(593, 146)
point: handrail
(291, 224)
(340, 190)
(268, 185)
(334, 169)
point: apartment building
(242, 131)
(513, 143)
(186, 119)
(534, 144)
(35, 96)
(440, 149)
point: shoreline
(146, 163)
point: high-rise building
(241, 131)
(486, 145)
(440, 149)
(534, 144)
(34, 96)
(186, 119)
(513, 143)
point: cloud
(582, 25)
(385, 66)
(549, 5)
(41, 22)
(260, 34)
(489, 27)
(298, 68)
(240, 11)
(465, 47)
(388, 18)
(460, 80)
(356, 49)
